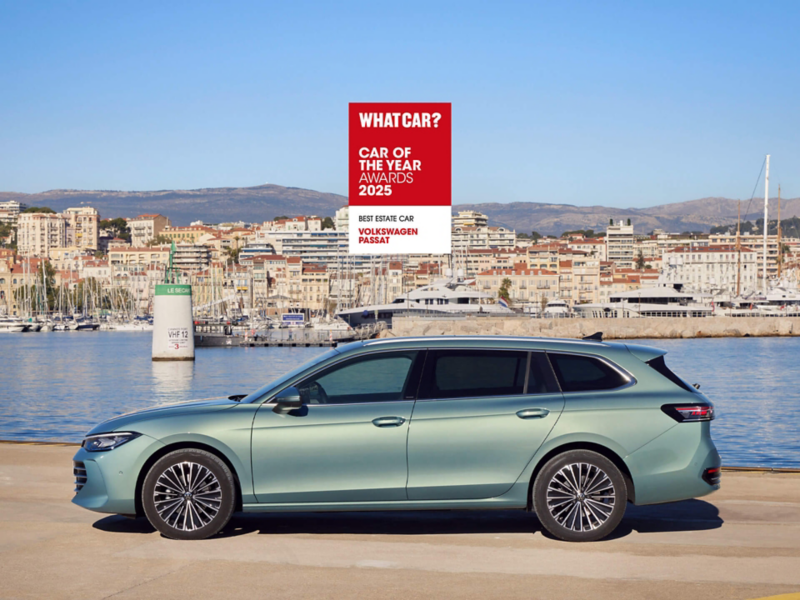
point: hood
(129, 420)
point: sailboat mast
(780, 254)
(738, 249)
(766, 222)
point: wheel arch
(582, 445)
(194, 445)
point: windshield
(259, 393)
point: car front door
(347, 443)
(480, 417)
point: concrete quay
(627, 328)
(741, 542)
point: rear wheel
(189, 494)
(580, 496)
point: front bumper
(110, 478)
(671, 467)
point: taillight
(689, 413)
(711, 476)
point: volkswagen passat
(572, 430)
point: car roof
(485, 341)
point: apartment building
(590, 246)
(470, 218)
(145, 228)
(83, 225)
(466, 237)
(529, 287)
(10, 210)
(37, 233)
(619, 244)
(186, 235)
(191, 257)
(713, 269)
(128, 259)
(756, 244)
(312, 223)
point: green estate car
(569, 429)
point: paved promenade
(742, 542)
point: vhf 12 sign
(400, 178)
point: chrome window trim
(631, 380)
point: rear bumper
(671, 467)
(111, 476)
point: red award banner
(400, 178)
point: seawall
(655, 328)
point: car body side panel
(331, 453)
(669, 468)
(228, 432)
(474, 447)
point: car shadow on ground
(689, 515)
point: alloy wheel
(187, 496)
(580, 497)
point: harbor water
(56, 386)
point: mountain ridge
(260, 203)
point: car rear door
(347, 443)
(480, 417)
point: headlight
(108, 441)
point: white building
(37, 233)
(147, 227)
(619, 245)
(466, 237)
(341, 220)
(470, 218)
(9, 211)
(712, 269)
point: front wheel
(189, 494)
(580, 496)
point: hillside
(212, 205)
(257, 204)
(692, 215)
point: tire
(564, 507)
(189, 494)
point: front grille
(79, 470)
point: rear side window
(474, 373)
(584, 373)
(660, 365)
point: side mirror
(287, 400)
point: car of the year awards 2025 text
(572, 430)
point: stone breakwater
(653, 328)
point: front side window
(577, 373)
(474, 373)
(377, 378)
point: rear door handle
(533, 413)
(388, 421)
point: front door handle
(388, 421)
(533, 413)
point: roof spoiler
(595, 337)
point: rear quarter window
(577, 373)
(660, 365)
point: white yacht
(663, 300)
(449, 296)
(12, 325)
(556, 308)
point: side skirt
(485, 504)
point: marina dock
(741, 542)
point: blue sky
(622, 104)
